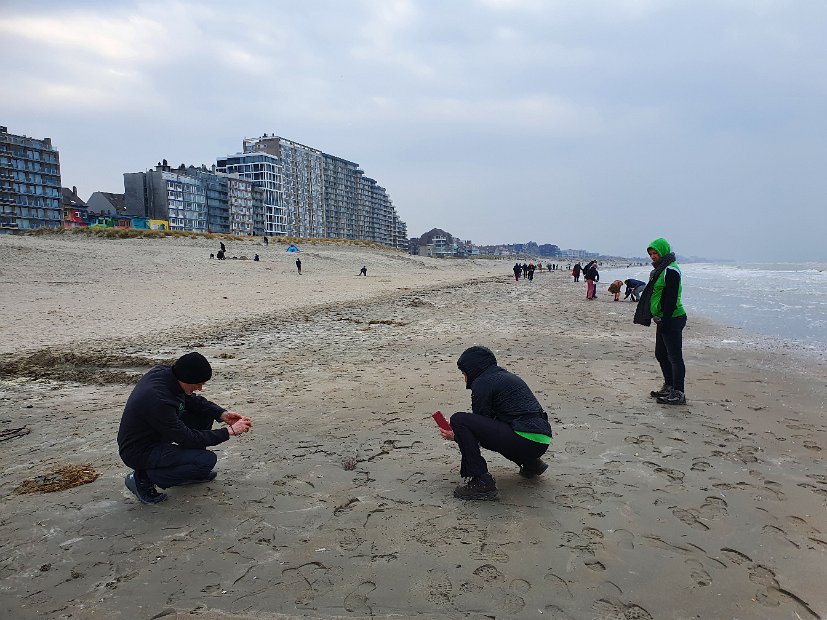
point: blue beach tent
(292, 248)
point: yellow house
(158, 225)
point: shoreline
(722, 499)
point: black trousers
(169, 465)
(669, 352)
(473, 431)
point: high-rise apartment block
(29, 183)
(327, 196)
(301, 183)
(264, 171)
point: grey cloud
(587, 124)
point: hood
(661, 245)
(474, 361)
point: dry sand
(713, 510)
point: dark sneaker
(210, 477)
(144, 490)
(479, 488)
(533, 468)
(675, 398)
(666, 390)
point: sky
(595, 125)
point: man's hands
(237, 423)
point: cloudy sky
(590, 124)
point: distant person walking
(299, 265)
(363, 271)
(266, 241)
(660, 302)
(517, 271)
(575, 272)
(223, 247)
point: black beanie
(192, 368)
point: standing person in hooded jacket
(505, 418)
(661, 301)
(166, 428)
(576, 272)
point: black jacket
(152, 417)
(499, 394)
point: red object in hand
(441, 421)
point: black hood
(474, 361)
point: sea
(784, 302)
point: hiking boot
(533, 468)
(663, 392)
(209, 478)
(143, 489)
(675, 398)
(478, 487)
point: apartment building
(177, 196)
(30, 195)
(327, 196)
(264, 171)
(301, 176)
(339, 191)
(241, 204)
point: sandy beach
(715, 510)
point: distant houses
(107, 203)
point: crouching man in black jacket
(506, 418)
(166, 428)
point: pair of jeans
(169, 465)
(669, 352)
(473, 431)
(590, 286)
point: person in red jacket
(166, 428)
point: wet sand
(713, 510)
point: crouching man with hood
(506, 418)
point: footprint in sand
(605, 609)
(553, 612)
(488, 573)
(713, 508)
(624, 538)
(357, 601)
(690, 518)
(698, 574)
(575, 448)
(559, 587)
(701, 465)
(510, 601)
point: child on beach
(505, 418)
(614, 289)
